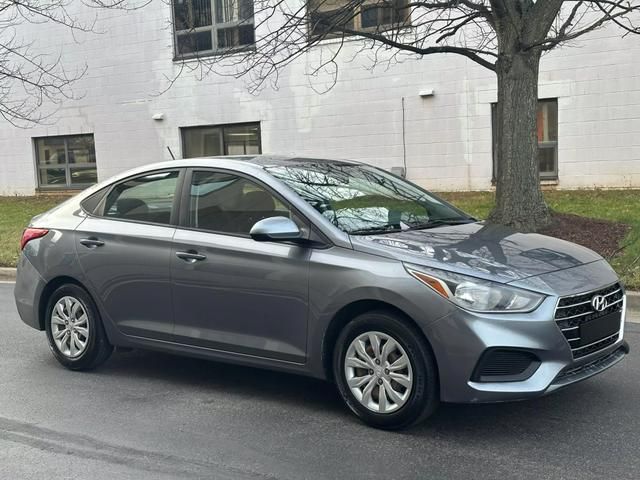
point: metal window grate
(587, 329)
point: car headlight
(476, 294)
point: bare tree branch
(29, 78)
(480, 30)
(587, 16)
(388, 31)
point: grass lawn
(616, 205)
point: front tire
(74, 329)
(385, 371)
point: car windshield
(361, 200)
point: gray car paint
(249, 297)
(293, 307)
(130, 274)
(487, 251)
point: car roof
(272, 160)
(240, 162)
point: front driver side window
(227, 203)
(145, 199)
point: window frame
(68, 185)
(98, 211)
(553, 175)
(308, 229)
(357, 22)
(544, 176)
(213, 29)
(222, 128)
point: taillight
(31, 234)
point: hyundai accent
(332, 269)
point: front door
(125, 250)
(232, 293)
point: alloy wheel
(70, 327)
(378, 372)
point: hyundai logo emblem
(599, 303)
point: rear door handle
(191, 256)
(91, 242)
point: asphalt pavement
(146, 415)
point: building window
(66, 162)
(239, 139)
(329, 18)
(547, 139)
(212, 26)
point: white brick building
(447, 139)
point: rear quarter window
(92, 202)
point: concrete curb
(7, 274)
(633, 301)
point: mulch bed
(601, 236)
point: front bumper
(577, 374)
(461, 338)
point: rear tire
(395, 388)
(74, 329)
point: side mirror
(275, 229)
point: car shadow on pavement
(542, 416)
(179, 372)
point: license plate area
(599, 328)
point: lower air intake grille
(502, 365)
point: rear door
(124, 249)
(231, 292)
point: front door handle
(91, 242)
(190, 256)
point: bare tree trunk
(519, 200)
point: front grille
(586, 329)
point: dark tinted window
(329, 18)
(207, 26)
(147, 198)
(227, 203)
(212, 140)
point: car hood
(486, 251)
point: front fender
(340, 278)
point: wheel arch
(48, 290)
(352, 310)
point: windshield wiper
(419, 226)
(375, 230)
(441, 221)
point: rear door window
(148, 198)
